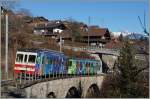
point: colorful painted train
(41, 62)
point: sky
(116, 15)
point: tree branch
(140, 70)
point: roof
(54, 24)
(92, 32)
(38, 50)
(51, 24)
(96, 32)
(65, 34)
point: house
(51, 28)
(97, 36)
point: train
(40, 62)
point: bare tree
(24, 12)
(9, 4)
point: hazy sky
(117, 15)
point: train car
(84, 66)
(50, 62)
(39, 62)
(25, 62)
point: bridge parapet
(61, 87)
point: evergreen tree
(127, 70)
(126, 81)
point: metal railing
(93, 48)
(24, 81)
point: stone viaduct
(68, 87)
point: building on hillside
(80, 24)
(97, 36)
(49, 29)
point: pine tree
(126, 81)
(127, 70)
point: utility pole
(60, 44)
(6, 48)
(148, 16)
(1, 11)
(89, 19)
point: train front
(25, 63)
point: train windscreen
(32, 59)
(19, 58)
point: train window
(43, 59)
(78, 64)
(91, 64)
(38, 59)
(19, 58)
(70, 63)
(32, 58)
(49, 61)
(97, 65)
(67, 63)
(87, 64)
(25, 58)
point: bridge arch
(51, 95)
(93, 91)
(73, 92)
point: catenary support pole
(6, 49)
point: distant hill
(136, 36)
(117, 34)
(130, 35)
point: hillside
(21, 36)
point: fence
(93, 48)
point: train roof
(27, 50)
(39, 50)
(85, 59)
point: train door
(83, 67)
(50, 64)
(55, 64)
(38, 64)
(71, 66)
(62, 63)
(46, 65)
(59, 65)
(78, 71)
(74, 64)
(42, 57)
(87, 66)
(95, 68)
